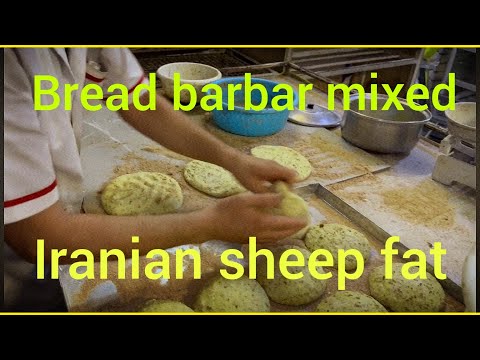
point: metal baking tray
(113, 295)
(375, 233)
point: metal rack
(334, 62)
(326, 64)
(448, 59)
(222, 59)
(319, 66)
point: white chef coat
(41, 148)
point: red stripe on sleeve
(138, 83)
(30, 197)
(133, 87)
(93, 78)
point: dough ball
(333, 237)
(211, 179)
(402, 295)
(155, 305)
(292, 205)
(290, 291)
(350, 301)
(285, 156)
(142, 193)
(241, 295)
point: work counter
(395, 192)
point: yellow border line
(238, 46)
(244, 46)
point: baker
(43, 175)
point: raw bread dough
(350, 301)
(155, 305)
(285, 156)
(292, 205)
(402, 295)
(241, 295)
(142, 193)
(333, 237)
(290, 291)
(211, 179)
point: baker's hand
(258, 174)
(238, 217)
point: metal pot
(384, 131)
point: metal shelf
(465, 85)
(152, 59)
(437, 128)
(333, 62)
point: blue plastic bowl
(250, 122)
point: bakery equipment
(192, 73)
(383, 131)
(457, 161)
(241, 121)
(315, 115)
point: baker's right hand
(236, 218)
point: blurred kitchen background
(429, 66)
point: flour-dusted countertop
(395, 192)
(405, 201)
(110, 147)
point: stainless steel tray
(375, 232)
(113, 295)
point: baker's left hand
(258, 174)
